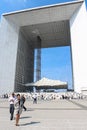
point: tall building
(62, 24)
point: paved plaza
(47, 115)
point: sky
(55, 62)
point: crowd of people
(53, 96)
(49, 96)
(17, 100)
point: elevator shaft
(38, 59)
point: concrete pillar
(8, 52)
(78, 30)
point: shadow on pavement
(57, 109)
(30, 109)
(31, 123)
(78, 104)
(4, 107)
(25, 117)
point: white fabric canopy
(48, 82)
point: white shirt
(11, 99)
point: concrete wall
(78, 29)
(8, 52)
(24, 64)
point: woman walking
(18, 109)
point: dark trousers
(24, 108)
(11, 111)
(35, 100)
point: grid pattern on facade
(24, 64)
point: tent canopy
(49, 83)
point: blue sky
(12, 5)
(56, 62)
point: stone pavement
(47, 115)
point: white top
(11, 99)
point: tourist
(11, 101)
(23, 100)
(18, 109)
(35, 98)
